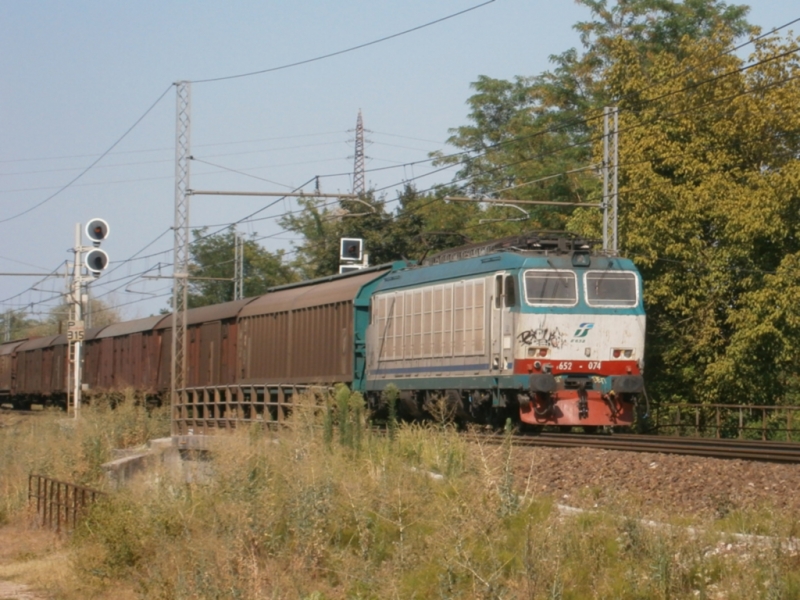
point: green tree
(97, 313)
(531, 138)
(710, 192)
(15, 325)
(211, 265)
(421, 224)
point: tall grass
(54, 445)
(328, 509)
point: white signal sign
(75, 331)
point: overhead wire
(87, 169)
(587, 142)
(651, 121)
(252, 73)
(346, 50)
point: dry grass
(329, 510)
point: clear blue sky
(76, 75)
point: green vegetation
(213, 257)
(57, 446)
(328, 509)
(97, 313)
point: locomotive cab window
(510, 291)
(613, 289)
(551, 288)
(505, 291)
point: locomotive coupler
(542, 386)
(546, 400)
(611, 400)
(583, 403)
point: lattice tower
(359, 185)
(181, 228)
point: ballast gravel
(657, 485)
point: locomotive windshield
(549, 288)
(611, 288)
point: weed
(323, 510)
(390, 396)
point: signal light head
(96, 260)
(351, 249)
(97, 230)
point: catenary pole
(77, 290)
(181, 247)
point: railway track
(785, 452)
(6, 409)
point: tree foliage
(709, 210)
(212, 259)
(535, 138)
(708, 153)
(421, 224)
(97, 313)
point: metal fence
(60, 504)
(729, 421)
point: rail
(755, 450)
(729, 421)
(58, 502)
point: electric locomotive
(540, 328)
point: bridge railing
(207, 410)
(60, 505)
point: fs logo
(583, 330)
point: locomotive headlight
(617, 353)
(628, 353)
(540, 352)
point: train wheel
(591, 429)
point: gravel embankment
(657, 485)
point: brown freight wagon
(291, 338)
(211, 340)
(42, 367)
(124, 355)
(8, 368)
(301, 334)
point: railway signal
(351, 249)
(97, 231)
(94, 260)
(351, 255)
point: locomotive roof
(497, 261)
(537, 242)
